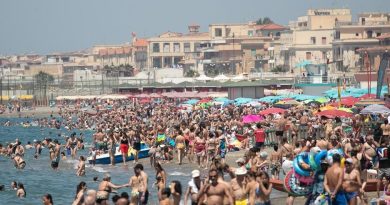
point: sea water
(39, 178)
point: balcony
(359, 24)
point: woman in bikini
(160, 173)
(199, 148)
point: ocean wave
(175, 173)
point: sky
(46, 26)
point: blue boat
(105, 158)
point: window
(369, 34)
(313, 40)
(337, 36)
(250, 33)
(228, 30)
(156, 47)
(308, 55)
(166, 48)
(323, 40)
(218, 32)
(356, 50)
(176, 47)
(187, 47)
(253, 52)
(197, 46)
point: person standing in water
(81, 167)
(57, 155)
(72, 143)
(19, 162)
(214, 190)
(180, 146)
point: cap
(240, 160)
(195, 173)
(349, 160)
(240, 171)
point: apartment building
(352, 36)
(313, 34)
(172, 49)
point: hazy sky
(44, 26)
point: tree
(42, 79)
(265, 20)
(279, 69)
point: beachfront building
(352, 36)
(242, 48)
(113, 55)
(313, 34)
(176, 50)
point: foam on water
(176, 173)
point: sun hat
(195, 173)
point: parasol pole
(339, 91)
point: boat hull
(105, 158)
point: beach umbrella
(155, 95)
(191, 102)
(272, 111)
(142, 95)
(251, 118)
(367, 102)
(375, 109)
(221, 99)
(322, 100)
(368, 96)
(327, 107)
(288, 102)
(254, 104)
(334, 113)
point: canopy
(375, 109)
(253, 104)
(334, 113)
(251, 118)
(155, 95)
(203, 78)
(347, 101)
(270, 99)
(368, 96)
(271, 111)
(238, 78)
(221, 99)
(221, 77)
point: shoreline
(37, 112)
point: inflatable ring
(312, 162)
(297, 189)
(298, 169)
(303, 160)
(331, 152)
(286, 183)
(320, 156)
(303, 179)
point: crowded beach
(327, 150)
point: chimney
(194, 28)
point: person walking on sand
(180, 146)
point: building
(352, 36)
(140, 53)
(173, 50)
(313, 34)
(113, 55)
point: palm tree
(42, 79)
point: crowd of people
(204, 136)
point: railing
(367, 23)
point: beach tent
(221, 78)
(203, 78)
(375, 109)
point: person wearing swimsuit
(104, 190)
(124, 147)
